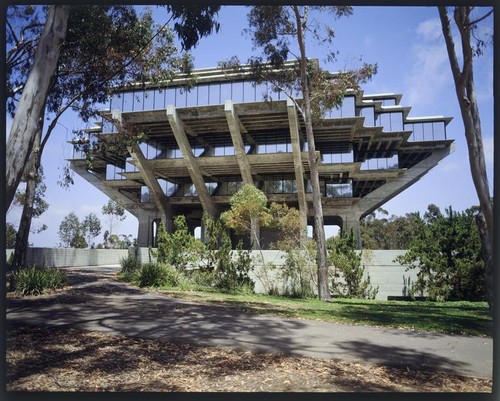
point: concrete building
(202, 144)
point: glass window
(203, 95)
(127, 101)
(368, 114)
(145, 195)
(149, 100)
(225, 92)
(189, 190)
(248, 92)
(116, 102)
(214, 94)
(159, 99)
(439, 130)
(211, 187)
(180, 97)
(192, 97)
(170, 97)
(129, 166)
(237, 95)
(138, 101)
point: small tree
(115, 213)
(178, 249)
(447, 253)
(248, 212)
(10, 239)
(349, 280)
(71, 232)
(92, 227)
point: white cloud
(431, 73)
(430, 30)
(488, 145)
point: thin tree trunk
(24, 126)
(464, 86)
(323, 290)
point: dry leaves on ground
(63, 359)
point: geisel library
(204, 144)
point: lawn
(463, 318)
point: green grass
(464, 318)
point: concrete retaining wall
(390, 277)
(64, 257)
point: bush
(36, 280)
(160, 275)
(130, 264)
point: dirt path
(99, 304)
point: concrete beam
(389, 190)
(100, 184)
(149, 178)
(297, 161)
(190, 161)
(234, 128)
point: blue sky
(407, 45)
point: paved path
(117, 308)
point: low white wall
(390, 277)
(65, 257)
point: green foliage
(248, 210)
(299, 269)
(447, 252)
(178, 249)
(349, 279)
(229, 271)
(71, 232)
(394, 232)
(37, 280)
(160, 275)
(10, 239)
(130, 264)
(115, 212)
(91, 226)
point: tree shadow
(399, 357)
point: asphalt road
(97, 302)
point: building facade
(201, 145)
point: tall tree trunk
(464, 86)
(24, 127)
(323, 290)
(22, 237)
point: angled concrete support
(389, 190)
(297, 162)
(149, 178)
(190, 161)
(100, 184)
(351, 221)
(234, 128)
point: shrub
(349, 277)
(36, 280)
(130, 264)
(161, 275)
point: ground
(42, 358)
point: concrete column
(145, 232)
(351, 221)
(297, 162)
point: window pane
(214, 93)
(192, 97)
(237, 96)
(249, 92)
(203, 95)
(170, 97)
(159, 100)
(149, 98)
(127, 101)
(138, 101)
(225, 92)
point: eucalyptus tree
(105, 46)
(281, 32)
(462, 68)
(32, 99)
